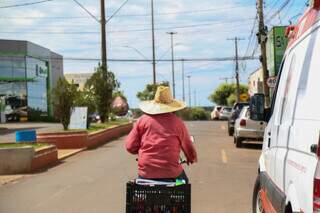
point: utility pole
(153, 45)
(262, 38)
(189, 88)
(183, 87)
(172, 60)
(195, 97)
(103, 35)
(236, 39)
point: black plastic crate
(158, 199)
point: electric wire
(117, 11)
(128, 15)
(86, 10)
(24, 4)
(126, 31)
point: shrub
(194, 114)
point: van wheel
(238, 142)
(230, 132)
(257, 206)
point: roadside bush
(63, 99)
(194, 114)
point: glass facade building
(25, 77)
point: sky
(203, 31)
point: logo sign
(272, 81)
(41, 71)
(244, 97)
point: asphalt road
(94, 181)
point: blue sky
(203, 28)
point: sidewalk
(62, 155)
(66, 153)
(5, 179)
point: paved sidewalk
(5, 179)
(66, 153)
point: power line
(279, 10)
(86, 10)
(213, 59)
(127, 15)
(25, 4)
(116, 12)
(133, 30)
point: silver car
(247, 129)
(225, 113)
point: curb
(65, 156)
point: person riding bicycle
(158, 138)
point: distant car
(236, 109)
(215, 114)
(95, 117)
(245, 128)
(225, 113)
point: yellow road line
(224, 156)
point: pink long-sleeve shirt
(158, 140)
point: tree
(102, 84)
(226, 94)
(86, 98)
(149, 92)
(63, 100)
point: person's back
(158, 138)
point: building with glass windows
(27, 74)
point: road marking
(224, 156)
(223, 127)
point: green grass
(100, 126)
(19, 145)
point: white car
(289, 166)
(225, 113)
(247, 129)
(215, 114)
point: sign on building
(276, 47)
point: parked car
(225, 113)
(289, 166)
(215, 114)
(236, 109)
(247, 129)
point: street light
(172, 58)
(189, 87)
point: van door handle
(314, 148)
(269, 139)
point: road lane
(94, 181)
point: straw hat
(162, 103)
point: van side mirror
(257, 107)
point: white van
(289, 166)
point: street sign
(244, 97)
(272, 81)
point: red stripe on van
(304, 24)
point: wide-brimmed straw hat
(162, 103)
